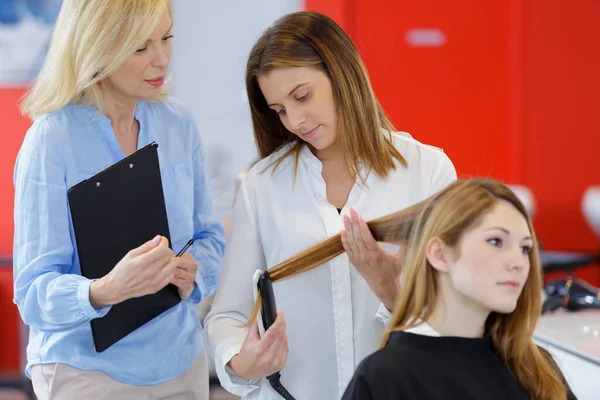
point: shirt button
(14, 301)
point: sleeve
(209, 244)
(50, 297)
(443, 174)
(234, 299)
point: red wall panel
(13, 127)
(561, 109)
(341, 11)
(10, 350)
(455, 95)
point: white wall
(211, 46)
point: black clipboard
(113, 212)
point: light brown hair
(310, 39)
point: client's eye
(495, 242)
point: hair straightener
(268, 315)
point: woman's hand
(379, 268)
(185, 276)
(260, 357)
(144, 270)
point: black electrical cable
(278, 387)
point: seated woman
(463, 324)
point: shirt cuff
(229, 379)
(83, 295)
(383, 314)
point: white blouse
(333, 318)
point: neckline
(95, 115)
(447, 344)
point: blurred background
(508, 88)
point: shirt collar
(94, 115)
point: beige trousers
(63, 382)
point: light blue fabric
(61, 149)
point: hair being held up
(394, 228)
(447, 215)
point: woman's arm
(234, 298)
(50, 297)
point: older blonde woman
(99, 97)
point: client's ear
(438, 254)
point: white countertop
(573, 338)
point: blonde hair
(448, 215)
(310, 39)
(91, 40)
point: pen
(187, 246)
